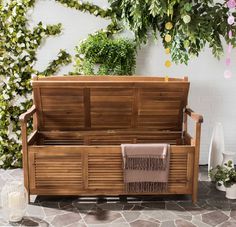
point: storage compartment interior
(109, 137)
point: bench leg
(194, 198)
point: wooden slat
(58, 169)
(105, 168)
(111, 103)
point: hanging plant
(111, 56)
(195, 24)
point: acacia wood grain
(80, 122)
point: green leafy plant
(18, 46)
(111, 56)
(196, 23)
(230, 175)
(218, 174)
(225, 174)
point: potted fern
(101, 54)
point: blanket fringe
(137, 187)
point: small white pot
(220, 187)
(228, 156)
(231, 192)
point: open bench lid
(77, 103)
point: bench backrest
(75, 103)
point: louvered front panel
(111, 107)
(62, 109)
(105, 171)
(178, 175)
(56, 171)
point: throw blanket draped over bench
(146, 167)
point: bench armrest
(23, 120)
(25, 116)
(195, 116)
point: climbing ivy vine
(18, 47)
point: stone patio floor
(212, 209)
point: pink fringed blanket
(146, 167)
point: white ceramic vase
(217, 146)
(231, 192)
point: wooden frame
(80, 155)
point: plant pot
(220, 187)
(231, 192)
(228, 156)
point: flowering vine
(18, 46)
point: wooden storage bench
(80, 122)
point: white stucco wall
(210, 94)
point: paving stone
(233, 214)
(111, 206)
(199, 223)
(101, 216)
(202, 203)
(161, 215)
(219, 203)
(120, 220)
(65, 219)
(138, 207)
(154, 205)
(152, 220)
(228, 224)
(33, 221)
(84, 207)
(143, 223)
(214, 218)
(131, 216)
(197, 217)
(49, 219)
(184, 223)
(186, 217)
(77, 224)
(168, 224)
(175, 208)
(67, 207)
(226, 212)
(128, 206)
(3, 222)
(191, 208)
(33, 210)
(52, 211)
(50, 204)
(110, 225)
